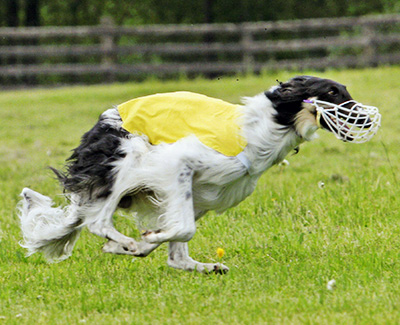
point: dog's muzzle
(350, 121)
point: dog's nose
(362, 122)
(368, 123)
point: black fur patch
(89, 169)
(288, 97)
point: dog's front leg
(178, 258)
(178, 221)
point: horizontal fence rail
(113, 52)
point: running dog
(170, 158)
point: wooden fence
(120, 52)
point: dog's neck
(268, 142)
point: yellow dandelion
(220, 252)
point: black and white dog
(169, 186)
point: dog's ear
(294, 90)
(287, 98)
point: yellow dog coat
(166, 118)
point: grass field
(283, 244)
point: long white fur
(52, 230)
(188, 180)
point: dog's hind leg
(177, 223)
(142, 248)
(178, 258)
(100, 223)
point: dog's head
(297, 104)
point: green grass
(283, 244)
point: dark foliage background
(138, 12)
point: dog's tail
(52, 231)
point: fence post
(107, 46)
(245, 42)
(371, 51)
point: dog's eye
(333, 91)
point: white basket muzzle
(350, 121)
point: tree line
(14, 13)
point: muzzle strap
(318, 119)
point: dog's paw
(130, 246)
(175, 235)
(192, 265)
(215, 268)
(152, 237)
(117, 248)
